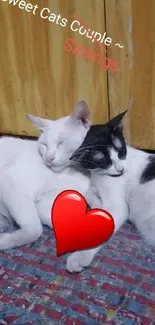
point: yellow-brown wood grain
(132, 24)
(37, 76)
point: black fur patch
(149, 171)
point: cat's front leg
(92, 198)
(77, 261)
(20, 206)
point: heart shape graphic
(75, 228)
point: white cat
(122, 182)
(29, 181)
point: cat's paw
(3, 241)
(77, 261)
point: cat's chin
(57, 169)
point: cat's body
(27, 186)
(122, 182)
(23, 165)
(125, 196)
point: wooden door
(37, 75)
(132, 24)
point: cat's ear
(115, 124)
(38, 122)
(82, 112)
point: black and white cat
(122, 182)
(30, 182)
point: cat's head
(60, 138)
(103, 149)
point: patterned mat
(118, 288)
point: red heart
(74, 228)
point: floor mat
(118, 288)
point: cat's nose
(120, 170)
(51, 158)
(119, 167)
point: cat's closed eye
(60, 143)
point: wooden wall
(39, 77)
(132, 23)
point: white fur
(117, 143)
(124, 198)
(28, 187)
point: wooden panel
(37, 75)
(132, 24)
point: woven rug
(118, 288)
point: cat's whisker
(88, 161)
(77, 162)
(81, 150)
